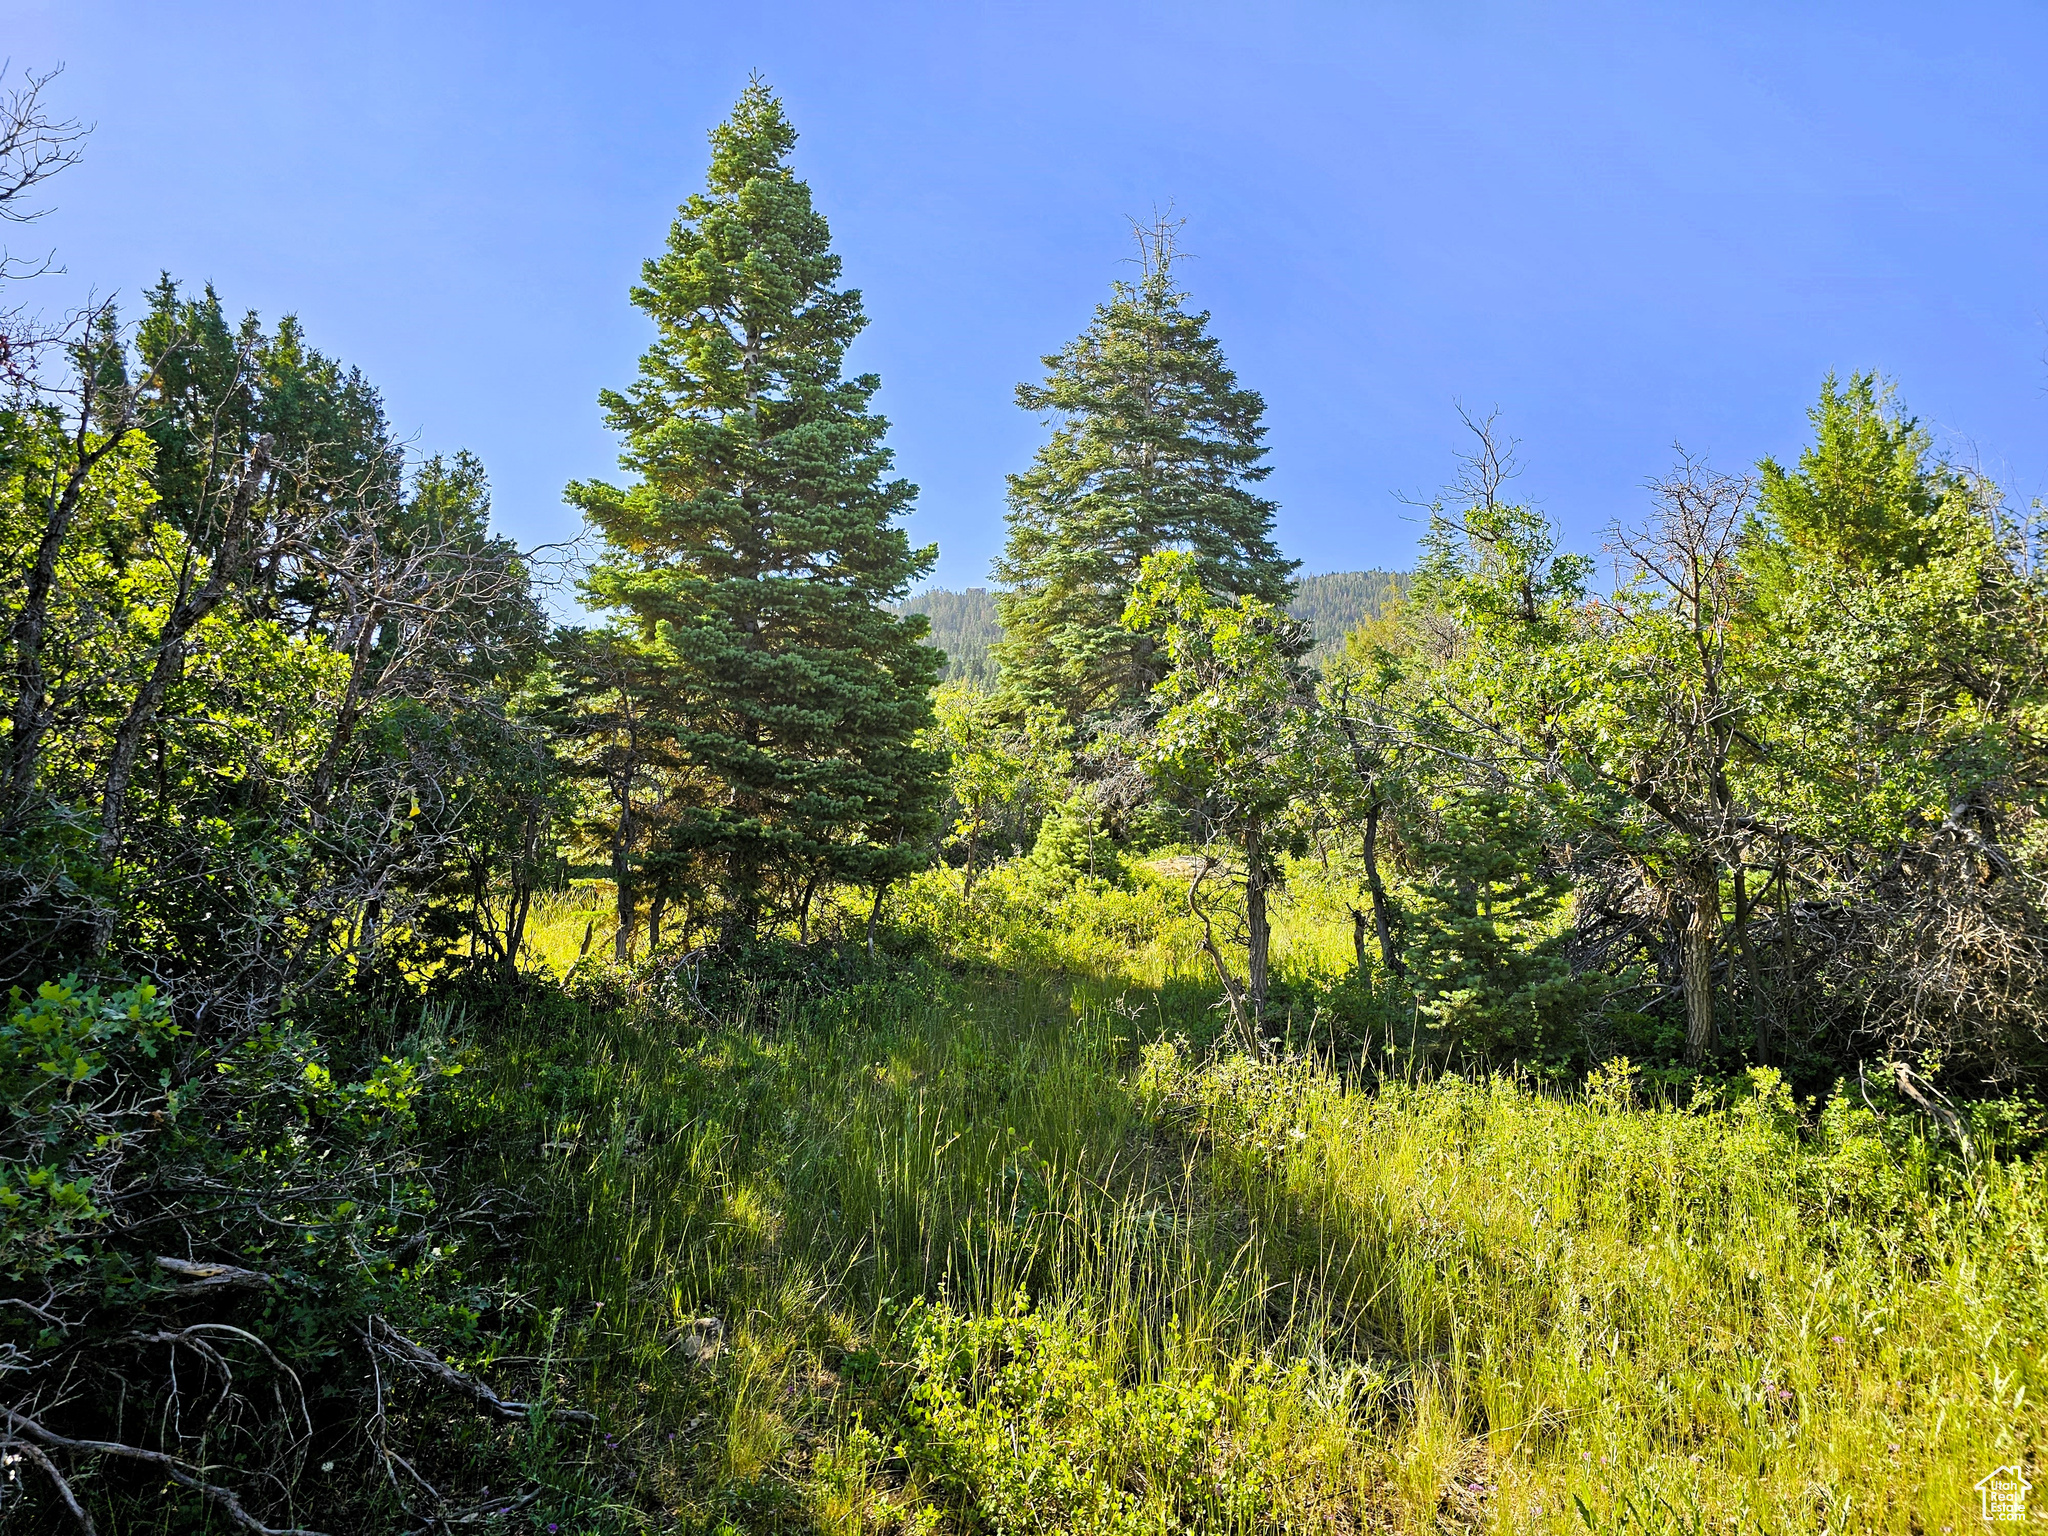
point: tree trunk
(1232, 993)
(526, 879)
(192, 607)
(743, 899)
(368, 934)
(1759, 1009)
(32, 713)
(973, 848)
(1382, 904)
(522, 903)
(480, 919)
(1696, 960)
(656, 904)
(346, 715)
(622, 885)
(874, 914)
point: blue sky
(1623, 226)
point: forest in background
(964, 624)
(1482, 1049)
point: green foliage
(1824, 693)
(1018, 1414)
(1238, 740)
(248, 1199)
(1000, 772)
(212, 387)
(1229, 736)
(1864, 495)
(1156, 448)
(255, 748)
(1486, 935)
(757, 552)
(66, 1124)
(966, 627)
(1071, 845)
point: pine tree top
(1155, 446)
(755, 141)
(744, 297)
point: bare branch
(177, 1470)
(387, 1338)
(34, 146)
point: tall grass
(982, 1250)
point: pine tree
(755, 554)
(1156, 448)
(1486, 949)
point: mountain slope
(964, 624)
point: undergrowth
(980, 1242)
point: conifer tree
(1487, 951)
(755, 554)
(1156, 447)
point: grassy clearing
(982, 1250)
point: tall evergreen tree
(1156, 448)
(754, 555)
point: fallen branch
(194, 1338)
(490, 1509)
(387, 1338)
(1935, 1105)
(179, 1472)
(29, 1451)
(202, 1278)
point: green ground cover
(998, 1239)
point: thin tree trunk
(1233, 995)
(874, 914)
(368, 933)
(622, 890)
(622, 880)
(1382, 904)
(1259, 927)
(525, 879)
(345, 716)
(1759, 1011)
(973, 848)
(192, 607)
(743, 899)
(31, 713)
(522, 903)
(480, 919)
(1696, 960)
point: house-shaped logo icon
(2004, 1493)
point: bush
(1019, 1415)
(199, 1226)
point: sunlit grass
(1450, 1306)
(562, 926)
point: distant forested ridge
(1338, 603)
(964, 624)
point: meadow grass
(992, 1247)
